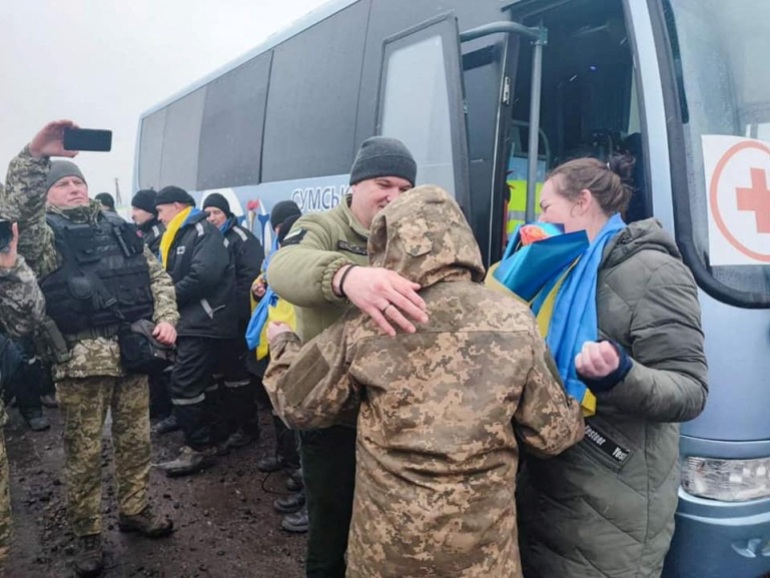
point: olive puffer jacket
(605, 507)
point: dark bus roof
(310, 19)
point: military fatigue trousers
(5, 501)
(84, 403)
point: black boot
(296, 523)
(290, 504)
(88, 562)
(189, 461)
(148, 523)
(35, 419)
(294, 481)
(166, 425)
(271, 464)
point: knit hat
(380, 156)
(172, 194)
(145, 200)
(282, 211)
(218, 201)
(61, 169)
(286, 226)
(106, 200)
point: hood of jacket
(424, 237)
(647, 235)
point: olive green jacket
(605, 507)
(301, 272)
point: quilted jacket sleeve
(668, 380)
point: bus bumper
(719, 539)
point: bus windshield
(720, 50)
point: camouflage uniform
(92, 380)
(440, 409)
(21, 307)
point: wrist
(34, 152)
(337, 280)
(341, 278)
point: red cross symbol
(756, 199)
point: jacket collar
(357, 227)
(89, 213)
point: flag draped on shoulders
(270, 308)
(555, 273)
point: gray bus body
(460, 81)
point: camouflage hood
(424, 237)
(81, 214)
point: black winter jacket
(204, 279)
(247, 255)
(152, 232)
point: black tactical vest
(103, 278)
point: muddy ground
(225, 526)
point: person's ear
(584, 201)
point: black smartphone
(87, 139)
(6, 234)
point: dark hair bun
(622, 164)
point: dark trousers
(190, 377)
(204, 407)
(28, 381)
(286, 440)
(285, 443)
(235, 391)
(160, 398)
(328, 472)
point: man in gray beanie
(60, 228)
(322, 268)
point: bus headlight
(727, 480)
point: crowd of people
(429, 421)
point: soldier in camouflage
(61, 231)
(440, 409)
(21, 308)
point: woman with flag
(620, 314)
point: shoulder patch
(294, 237)
(199, 228)
(345, 246)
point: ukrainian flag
(537, 261)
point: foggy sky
(102, 63)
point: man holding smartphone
(95, 273)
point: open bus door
(421, 101)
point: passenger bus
(488, 92)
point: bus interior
(589, 103)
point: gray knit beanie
(61, 169)
(380, 156)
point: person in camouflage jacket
(89, 378)
(441, 410)
(22, 307)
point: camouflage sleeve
(163, 292)
(22, 305)
(309, 386)
(24, 201)
(547, 420)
